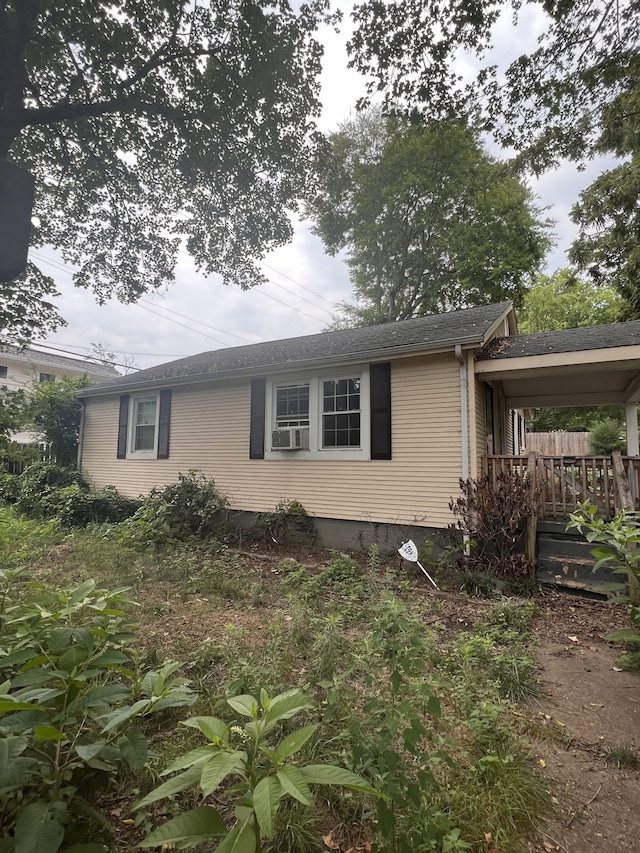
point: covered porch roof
(594, 366)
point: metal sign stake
(409, 552)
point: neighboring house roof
(567, 340)
(468, 326)
(30, 356)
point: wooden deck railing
(569, 480)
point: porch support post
(631, 416)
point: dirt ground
(587, 706)
(597, 708)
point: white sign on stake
(409, 552)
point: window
(143, 426)
(317, 415)
(321, 416)
(341, 412)
(46, 377)
(3, 371)
(292, 406)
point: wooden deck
(607, 481)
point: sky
(196, 314)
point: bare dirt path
(595, 709)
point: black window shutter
(256, 432)
(164, 422)
(123, 423)
(380, 381)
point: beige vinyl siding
(210, 431)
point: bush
(191, 507)
(77, 508)
(47, 490)
(490, 514)
(9, 488)
(40, 485)
(605, 437)
(287, 524)
(72, 705)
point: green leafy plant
(191, 507)
(605, 437)
(618, 547)
(263, 773)
(288, 523)
(392, 720)
(68, 706)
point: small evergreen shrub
(605, 437)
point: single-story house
(369, 428)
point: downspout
(464, 424)
(81, 434)
(464, 411)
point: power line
(184, 326)
(89, 360)
(150, 354)
(304, 287)
(290, 292)
(193, 320)
(70, 270)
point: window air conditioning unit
(294, 438)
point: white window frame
(316, 451)
(134, 401)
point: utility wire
(193, 320)
(88, 359)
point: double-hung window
(319, 415)
(144, 424)
(292, 405)
(341, 412)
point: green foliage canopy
(54, 410)
(574, 95)
(564, 301)
(430, 222)
(550, 103)
(154, 124)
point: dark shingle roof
(467, 326)
(567, 340)
(36, 356)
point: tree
(564, 301)
(150, 125)
(54, 411)
(608, 211)
(575, 95)
(430, 221)
(551, 103)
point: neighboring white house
(19, 368)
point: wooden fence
(558, 443)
